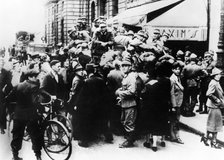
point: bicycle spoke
(56, 141)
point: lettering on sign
(193, 34)
(185, 34)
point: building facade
(63, 14)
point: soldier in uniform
(126, 94)
(102, 40)
(78, 37)
(191, 74)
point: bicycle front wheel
(57, 142)
(66, 122)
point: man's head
(72, 32)
(55, 65)
(156, 34)
(142, 35)
(193, 57)
(208, 57)
(126, 65)
(32, 74)
(90, 68)
(103, 26)
(96, 22)
(78, 69)
(165, 36)
(180, 55)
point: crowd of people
(113, 82)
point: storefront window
(115, 7)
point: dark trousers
(2, 116)
(18, 133)
(115, 120)
(190, 99)
(203, 89)
(90, 125)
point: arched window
(93, 11)
(103, 8)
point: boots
(200, 108)
(16, 157)
(38, 155)
(129, 142)
(205, 110)
(126, 144)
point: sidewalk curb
(195, 131)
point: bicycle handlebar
(52, 101)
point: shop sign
(183, 33)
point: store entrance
(197, 47)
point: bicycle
(54, 114)
(56, 139)
(56, 130)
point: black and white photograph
(111, 79)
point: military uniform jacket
(128, 91)
(99, 37)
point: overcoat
(92, 107)
(215, 95)
(5, 87)
(156, 105)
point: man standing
(5, 87)
(114, 79)
(93, 109)
(208, 64)
(25, 116)
(53, 82)
(77, 84)
(176, 100)
(191, 74)
(127, 96)
(102, 40)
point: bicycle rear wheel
(57, 143)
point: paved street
(199, 123)
(192, 149)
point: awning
(137, 15)
(186, 21)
